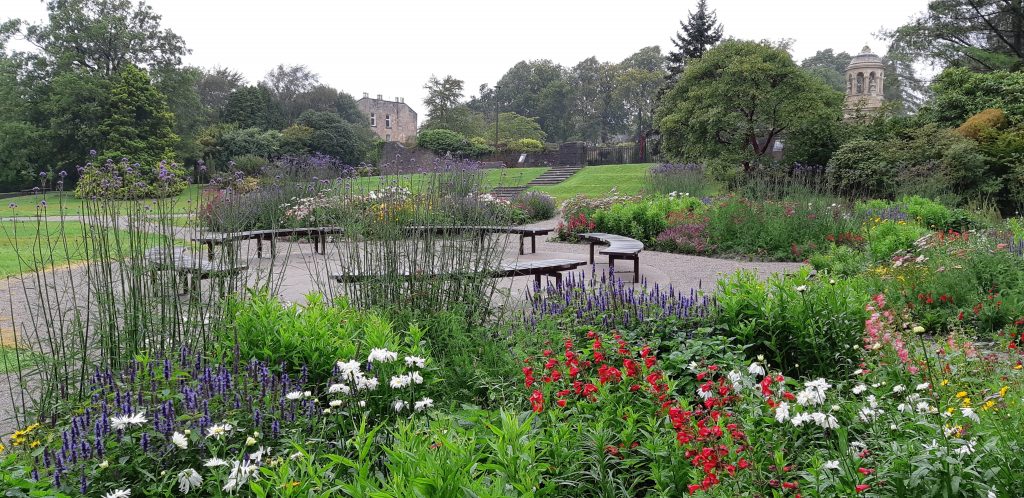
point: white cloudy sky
(391, 48)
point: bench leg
(536, 278)
(209, 248)
(521, 239)
(558, 280)
(259, 247)
(273, 246)
(533, 244)
(636, 269)
(591, 253)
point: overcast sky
(393, 47)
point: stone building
(391, 120)
(865, 80)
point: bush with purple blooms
(537, 206)
(128, 180)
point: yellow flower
(961, 394)
(966, 402)
(949, 410)
(945, 382)
(1002, 391)
(34, 444)
(2, 447)
(1018, 366)
(988, 404)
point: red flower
(632, 370)
(693, 488)
(561, 403)
(866, 472)
(790, 485)
(862, 487)
(528, 373)
(537, 401)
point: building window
(387, 121)
(373, 119)
(387, 138)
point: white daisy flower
(922, 387)
(782, 412)
(179, 440)
(969, 413)
(415, 361)
(366, 383)
(898, 388)
(294, 395)
(859, 388)
(215, 462)
(398, 405)
(416, 377)
(121, 422)
(339, 388)
(755, 369)
(831, 465)
(218, 430)
(400, 381)
(118, 493)
(423, 404)
(382, 355)
(349, 369)
(335, 403)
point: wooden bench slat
(549, 267)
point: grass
(494, 177)
(27, 245)
(626, 179)
(30, 205)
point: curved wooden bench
(319, 235)
(538, 269)
(483, 230)
(619, 247)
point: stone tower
(865, 80)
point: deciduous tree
(738, 99)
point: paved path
(298, 270)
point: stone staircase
(553, 176)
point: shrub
(859, 168)
(983, 122)
(442, 141)
(537, 205)
(250, 164)
(642, 220)
(802, 325)
(525, 145)
(125, 180)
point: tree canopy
(985, 35)
(738, 99)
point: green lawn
(12, 360)
(494, 177)
(27, 245)
(626, 179)
(30, 205)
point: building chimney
(366, 95)
(380, 96)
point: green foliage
(512, 127)
(140, 124)
(250, 164)
(347, 142)
(839, 261)
(105, 36)
(642, 220)
(860, 168)
(253, 141)
(253, 107)
(441, 141)
(801, 325)
(525, 145)
(887, 237)
(737, 99)
(959, 93)
(311, 338)
(295, 140)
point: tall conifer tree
(701, 31)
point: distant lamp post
(496, 88)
